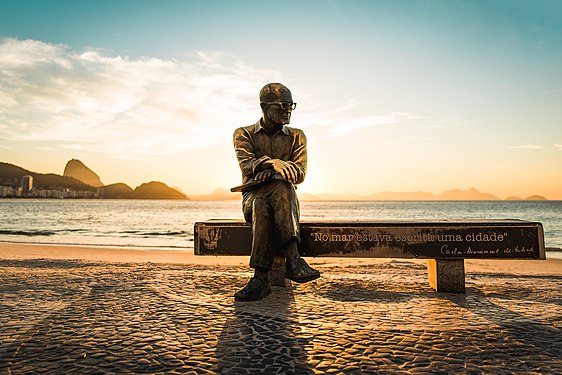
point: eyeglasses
(283, 105)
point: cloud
(557, 146)
(347, 125)
(528, 147)
(122, 106)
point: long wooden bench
(444, 243)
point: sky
(397, 95)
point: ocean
(169, 224)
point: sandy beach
(95, 310)
(134, 255)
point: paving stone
(146, 318)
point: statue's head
(276, 103)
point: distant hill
(466, 195)
(178, 189)
(117, 191)
(455, 194)
(308, 197)
(156, 190)
(402, 196)
(531, 198)
(340, 197)
(76, 169)
(536, 198)
(9, 173)
(150, 190)
(220, 194)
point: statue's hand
(264, 175)
(286, 170)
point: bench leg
(277, 273)
(446, 275)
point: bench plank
(490, 239)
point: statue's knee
(284, 188)
(281, 184)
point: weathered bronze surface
(497, 239)
(272, 158)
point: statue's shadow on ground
(263, 337)
(357, 294)
(350, 291)
(542, 337)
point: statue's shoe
(255, 290)
(299, 271)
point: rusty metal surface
(494, 239)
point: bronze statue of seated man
(272, 158)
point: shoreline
(105, 254)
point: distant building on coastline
(23, 188)
(7, 191)
(27, 184)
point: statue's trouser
(273, 210)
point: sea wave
(131, 245)
(152, 233)
(28, 233)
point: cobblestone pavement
(94, 318)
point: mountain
(308, 197)
(339, 197)
(76, 169)
(117, 191)
(466, 195)
(536, 198)
(531, 198)
(219, 194)
(453, 194)
(10, 173)
(178, 189)
(402, 196)
(150, 190)
(156, 190)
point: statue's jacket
(254, 145)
